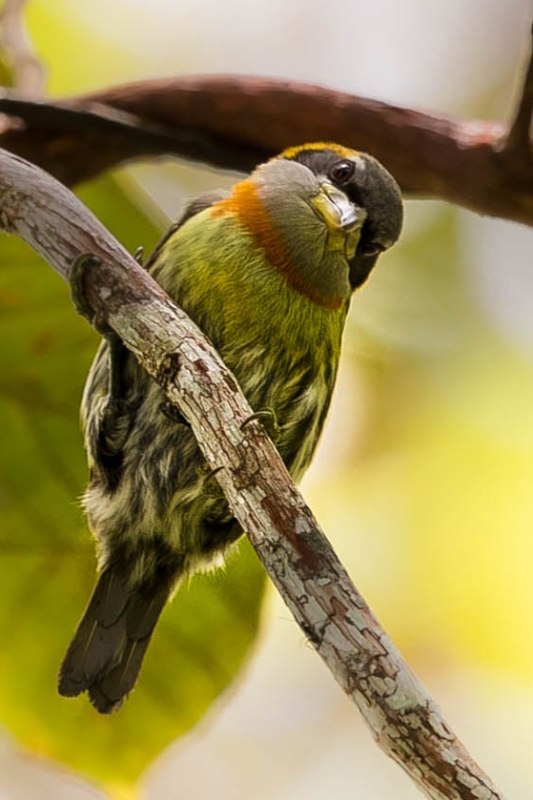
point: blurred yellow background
(424, 478)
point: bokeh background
(423, 480)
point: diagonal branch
(75, 144)
(402, 717)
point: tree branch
(402, 717)
(234, 122)
(28, 72)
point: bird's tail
(108, 648)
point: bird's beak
(336, 209)
(344, 220)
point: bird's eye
(342, 171)
(370, 249)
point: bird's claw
(173, 413)
(138, 255)
(267, 417)
(77, 276)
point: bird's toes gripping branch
(173, 413)
(81, 266)
(267, 418)
(138, 255)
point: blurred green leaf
(47, 566)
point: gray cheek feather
(302, 230)
(305, 235)
(273, 178)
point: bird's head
(322, 213)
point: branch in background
(234, 122)
(75, 144)
(28, 72)
(403, 718)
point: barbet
(267, 272)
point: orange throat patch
(246, 204)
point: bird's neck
(323, 284)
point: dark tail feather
(108, 648)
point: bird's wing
(109, 416)
(194, 207)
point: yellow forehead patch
(343, 152)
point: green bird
(266, 271)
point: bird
(267, 271)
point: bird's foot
(79, 270)
(267, 418)
(138, 255)
(173, 413)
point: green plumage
(156, 513)
(282, 348)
